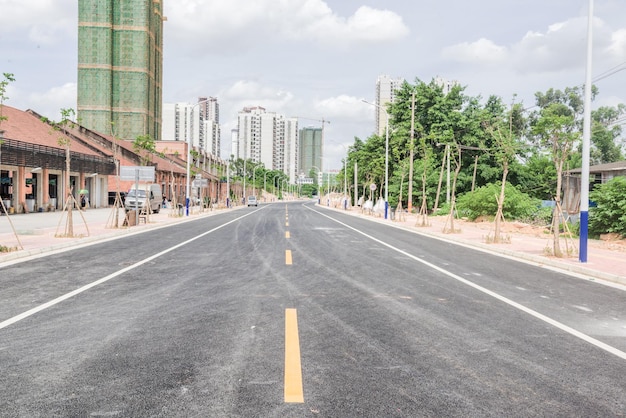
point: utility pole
(356, 185)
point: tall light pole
(386, 155)
(228, 183)
(188, 186)
(584, 177)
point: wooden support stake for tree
(6, 212)
(113, 220)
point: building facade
(446, 85)
(120, 62)
(209, 135)
(269, 139)
(310, 157)
(194, 123)
(386, 88)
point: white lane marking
(554, 323)
(80, 290)
(582, 308)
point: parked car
(148, 195)
(252, 201)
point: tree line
(485, 142)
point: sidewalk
(606, 260)
(38, 232)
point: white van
(147, 194)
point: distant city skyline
(508, 49)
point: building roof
(602, 168)
(27, 127)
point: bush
(482, 202)
(609, 215)
(444, 209)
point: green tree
(605, 133)
(8, 78)
(555, 130)
(65, 142)
(4, 84)
(506, 130)
(145, 147)
(609, 215)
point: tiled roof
(26, 127)
(600, 168)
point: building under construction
(120, 62)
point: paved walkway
(37, 234)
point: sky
(318, 59)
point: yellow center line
(286, 223)
(287, 234)
(288, 257)
(293, 367)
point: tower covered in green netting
(120, 63)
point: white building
(234, 144)
(190, 122)
(446, 85)
(210, 132)
(386, 88)
(268, 138)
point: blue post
(386, 208)
(584, 233)
(187, 207)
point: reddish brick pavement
(36, 232)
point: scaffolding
(120, 60)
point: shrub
(609, 215)
(482, 202)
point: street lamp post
(188, 185)
(584, 180)
(386, 155)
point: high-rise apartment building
(268, 138)
(310, 151)
(291, 149)
(446, 85)
(193, 123)
(210, 133)
(120, 62)
(386, 88)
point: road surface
(290, 310)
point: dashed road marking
(293, 368)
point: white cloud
(560, 48)
(50, 103)
(251, 93)
(617, 46)
(343, 107)
(220, 25)
(481, 52)
(44, 21)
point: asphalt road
(288, 310)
